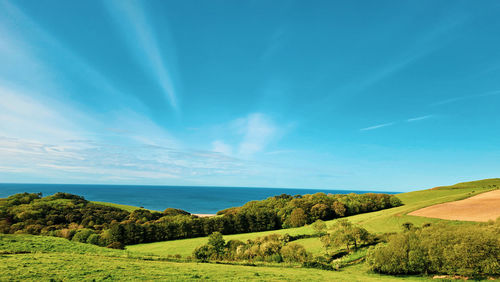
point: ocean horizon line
(204, 186)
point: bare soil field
(482, 207)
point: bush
(204, 253)
(217, 241)
(294, 253)
(116, 245)
(93, 239)
(82, 235)
(454, 250)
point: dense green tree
(217, 241)
(297, 218)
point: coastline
(204, 214)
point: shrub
(82, 235)
(217, 241)
(294, 253)
(204, 252)
(93, 239)
(116, 245)
(454, 250)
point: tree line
(75, 218)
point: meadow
(30, 257)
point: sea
(194, 199)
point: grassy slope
(120, 206)
(59, 259)
(389, 220)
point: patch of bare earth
(482, 207)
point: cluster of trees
(281, 248)
(30, 213)
(467, 250)
(271, 248)
(295, 211)
(75, 218)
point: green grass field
(123, 207)
(28, 257)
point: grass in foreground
(28, 257)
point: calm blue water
(193, 199)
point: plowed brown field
(482, 207)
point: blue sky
(368, 95)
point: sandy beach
(204, 214)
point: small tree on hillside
(319, 226)
(217, 241)
(347, 234)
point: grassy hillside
(21, 243)
(389, 220)
(123, 207)
(28, 257)
(58, 259)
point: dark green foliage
(215, 239)
(174, 212)
(116, 245)
(407, 226)
(205, 253)
(93, 239)
(82, 235)
(318, 265)
(455, 250)
(30, 213)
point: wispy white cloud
(248, 136)
(377, 126)
(22, 116)
(462, 98)
(101, 162)
(35, 68)
(419, 118)
(130, 16)
(221, 147)
(258, 130)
